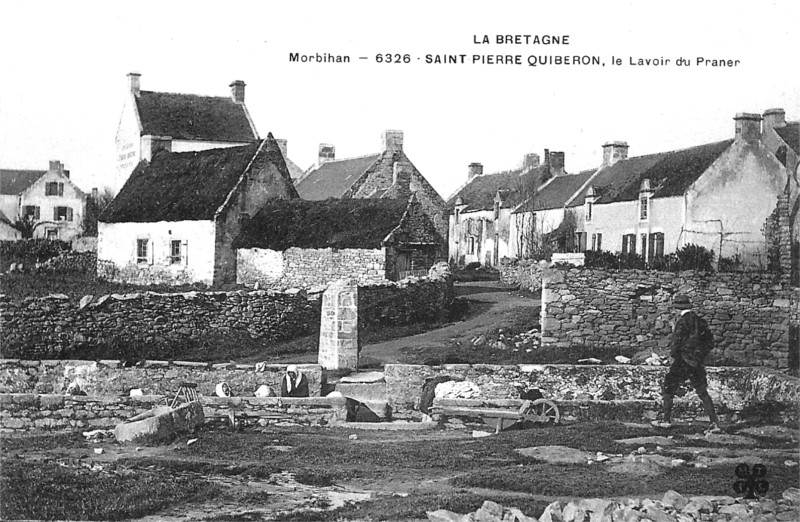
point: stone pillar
(338, 332)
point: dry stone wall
(113, 378)
(749, 314)
(525, 273)
(27, 412)
(633, 386)
(309, 267)
(47, 327)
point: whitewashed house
(175, 219)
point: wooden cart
(540, 411)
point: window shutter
(599, 241)
(69, 214)
(60, 189)
(37, 213)
(625, 244)
(55, 213)
(651, 250)
(185, 253)
(151, 251)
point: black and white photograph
(400, 261)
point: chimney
(546, 157)
(94, 194)
(393, 140)
(613, 151)
(327, 152)
(530, 161)
(557, 163)
(748, 126)
(153, 144)
(474, 170)
(284, 146)
(133, 83)
(56, 167)
(237, 91)
(774, 118)
(401, 173)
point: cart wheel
(547, 409)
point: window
(142, 251)
(62, 214)
(51, 233)
(643, 204)
(31, 212)
(471, 245)
(458, 214)
(597, 241)
(589, 205)
(175, 252)
(580, 241)
(54, 188)
(629, 244)
(656, 245)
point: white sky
(63, 69)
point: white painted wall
(116, 243)
(258, 264)
(73, 198)
(190, 146)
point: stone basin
(161, 422)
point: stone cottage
(175, 219)
(480, 221)
(717, 195)
(297, 243)
(190, 122)
(49, 199)
(388, 174)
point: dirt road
(492, 306)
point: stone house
(717, 195)
(480, 221)
(388, 174)
(49, 197)
(303, 244)
(175, 219)
(188, 121)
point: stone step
(380, 408)
(362, 391)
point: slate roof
(334, 178)
(334, 223)
(790, 133)
(193, 117)
(479, 192)
(14, 182)
(557, 192)
(670, 173)
(183, 186)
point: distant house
(49, 198)
(188, 121)
(388, 174)
(297, 243)
(717, 195)
(480, 224)
(175, 219)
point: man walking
(691, 343)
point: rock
(266, 391)
(792, 515)
(489, 512)
(590, 360)
(572, 512)
(85, 301)
(458, 390)
(552, 513)
(363, 377)
(443, 515)
(476, 434)
(136, 392)
(792, 495)
(556, 454)
(733, 509)
(658, 514)
(674, 500)
(353, 437)
(622, 359)
(662, 441)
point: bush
(694, 257)
(32, 250)
(690, 257)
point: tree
(27, 225)
(94, 207)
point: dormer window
(644, 200)
(591, 197)
(54, 188)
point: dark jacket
(301, 390)
(682, 347)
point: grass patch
(48, 491)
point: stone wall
(732, 389)
(41, 328)
(112, 378)
(630, 310)
(309, 267)
(25, 412)
(526, 273)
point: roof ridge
(189, 94)
(352, 158)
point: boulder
(161, 422)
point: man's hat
(681, 302)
